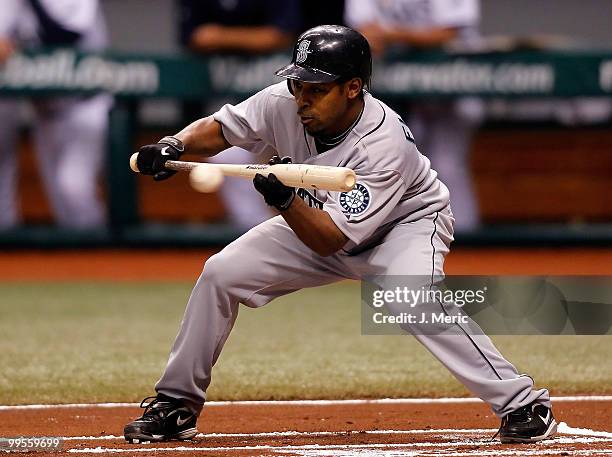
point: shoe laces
(523, 414)
(499, 429)
(496, 433)
(155, 408)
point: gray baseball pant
(70, 138)
(270, 261)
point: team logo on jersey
(302, 51)
(356, 201)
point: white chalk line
(563, 428)
(382, 401)
(363, 450)
(567, 430)
(441, 453)
(365, 447)
(586, 436)
(292, 433)
(353, 450)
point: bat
(207, 177)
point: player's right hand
(152, 157)
(277, 160)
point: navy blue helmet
(328, 53)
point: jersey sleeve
(360, 212)
(456, 13)
(358, 13)
(75, 15)
(248, 122)
(11, 14)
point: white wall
(588, 20)
(141, 25)
(150, 25)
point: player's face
(324, 108)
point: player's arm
(313, 226)
(7, 48)
(219, 38)
(422, 37)
(203, 137)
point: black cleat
(529, 424)
(164, 419)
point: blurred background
(526, 151)
(510, 99)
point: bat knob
(134, 163)
(350, 180)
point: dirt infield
(337, 428)
(452, 429)
(152, 265)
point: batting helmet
(329, 53)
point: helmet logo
(302, 51)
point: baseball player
(396, 221)
(69, 131)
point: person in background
(321, 12)
(244, 27)
(69, 132)
(442, 129)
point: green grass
(91, 342)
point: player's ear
(353, 87)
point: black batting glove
(275, 193)
(152, 157)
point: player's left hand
(152, 157)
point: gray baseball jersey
(397, 219)
(395, 182)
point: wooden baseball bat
(340, 179)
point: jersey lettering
(310, 199)
(406, 129)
